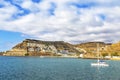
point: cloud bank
(67, 20)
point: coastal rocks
(16, 52)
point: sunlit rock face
(30, 47)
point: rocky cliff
(33, 47)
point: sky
(72, 21)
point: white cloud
(7, 11)
(69, 22)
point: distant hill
(1, 53)
(91, 47)
(112, 50)
(31, 47)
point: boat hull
(99, 64)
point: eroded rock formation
(30, 47)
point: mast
(98, 52)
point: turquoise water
(36, 68)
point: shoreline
(67, 57)
(115, 58)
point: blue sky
(72, 21)
(9, 39)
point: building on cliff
(31, 47)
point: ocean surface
(36, 68)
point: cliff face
(36, 48)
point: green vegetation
(26, 54)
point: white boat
(41, 56)
(99, 62)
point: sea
(49, 68)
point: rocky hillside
(91, 47)
(36, 47)
(112, 50)
(1, 53)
